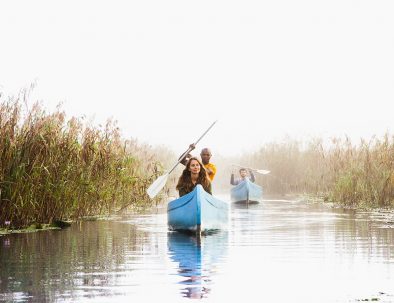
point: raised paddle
(260, 171)
(158, 185)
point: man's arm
(232, 181)
(211, 170)
(252, 178)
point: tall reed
(53, 168)
(341, 171)
(363, 174)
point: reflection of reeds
(53, 169)
(350, 174)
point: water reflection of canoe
(198, 212)
(197, 258)
(246, 192)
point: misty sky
(167, 69)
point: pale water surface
(277, 251)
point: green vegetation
(53, 169)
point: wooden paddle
(161, 181)
(260, 171)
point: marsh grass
(54, 169)
(339, 171)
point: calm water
(277, 251)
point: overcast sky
(167, 69)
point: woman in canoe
(193, 174)
(206, 155)
(243, 174)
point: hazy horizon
(166, 70)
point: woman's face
(194, 167)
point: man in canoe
(205, 157)
(209, 167)
(243, 172)
(193, 174)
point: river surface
(276, 251)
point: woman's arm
(185, 159)
(188, 156)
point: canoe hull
(197, 211)
(246, 192)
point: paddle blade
(157, 186)
(263, 171)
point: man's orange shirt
(212, 167)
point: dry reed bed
(57, 169)
(340, 171)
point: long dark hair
(185, 180)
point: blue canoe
(197, 212)
(246, 192)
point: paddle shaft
(260, 171)
(190, 149)
(160, 182)
(245, 167)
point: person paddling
(209, 167)
(193, 174)
(205, 158)
(160, 182)
(243, 172)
